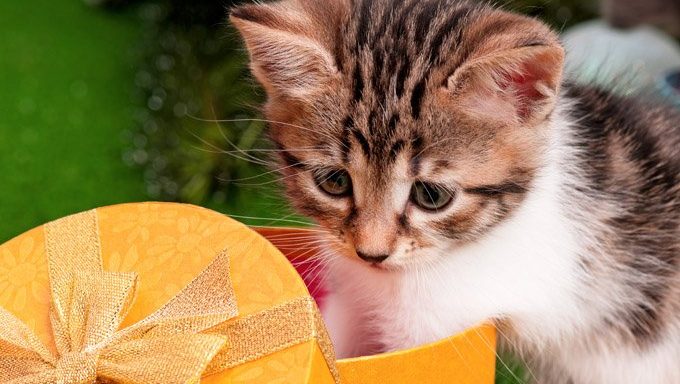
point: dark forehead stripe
(374, 37)
(452, 26)
(402, 75)
(386, 19)
(396, 148)
(392, 124)
(373, 123)
(394, 35)
(423, 23)
(377, 80)
(363, 142)
(363, 24)
(417, 146)
(394, 32)
(346, 143)
(417, 98)
(400, 54)
(358, 83)
(373, 19)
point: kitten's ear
(286, 56)
(519, 84)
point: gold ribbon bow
(175, 344)
(88, 306)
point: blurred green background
(112, 102)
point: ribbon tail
(46, 376)
(273, 330)
(179, 359)
(21, 352)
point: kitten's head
(407, 127)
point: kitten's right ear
(518, 84)
(286, 58)
(512, 76)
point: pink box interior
(294, 243)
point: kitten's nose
(372, 258)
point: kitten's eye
(430, 197)
(335, 183)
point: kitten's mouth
(374, 266)
(382, 267)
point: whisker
(256, 161)
(298, 242)
(262, 174)
(219, 128)
(269, 182)
(316, 132)
(267, 219)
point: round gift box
(167, 245)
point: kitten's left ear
(518, 84)
(286, 48)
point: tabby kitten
(464, 180)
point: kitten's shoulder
(629, 166)
(635, 137)
(643, 115)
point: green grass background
(65, 73)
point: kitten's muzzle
(376, 259)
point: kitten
(464, 179)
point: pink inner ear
(511, 88)
(522, 85)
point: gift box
(171, 293)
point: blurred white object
(624, 60)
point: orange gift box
(192, 285)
